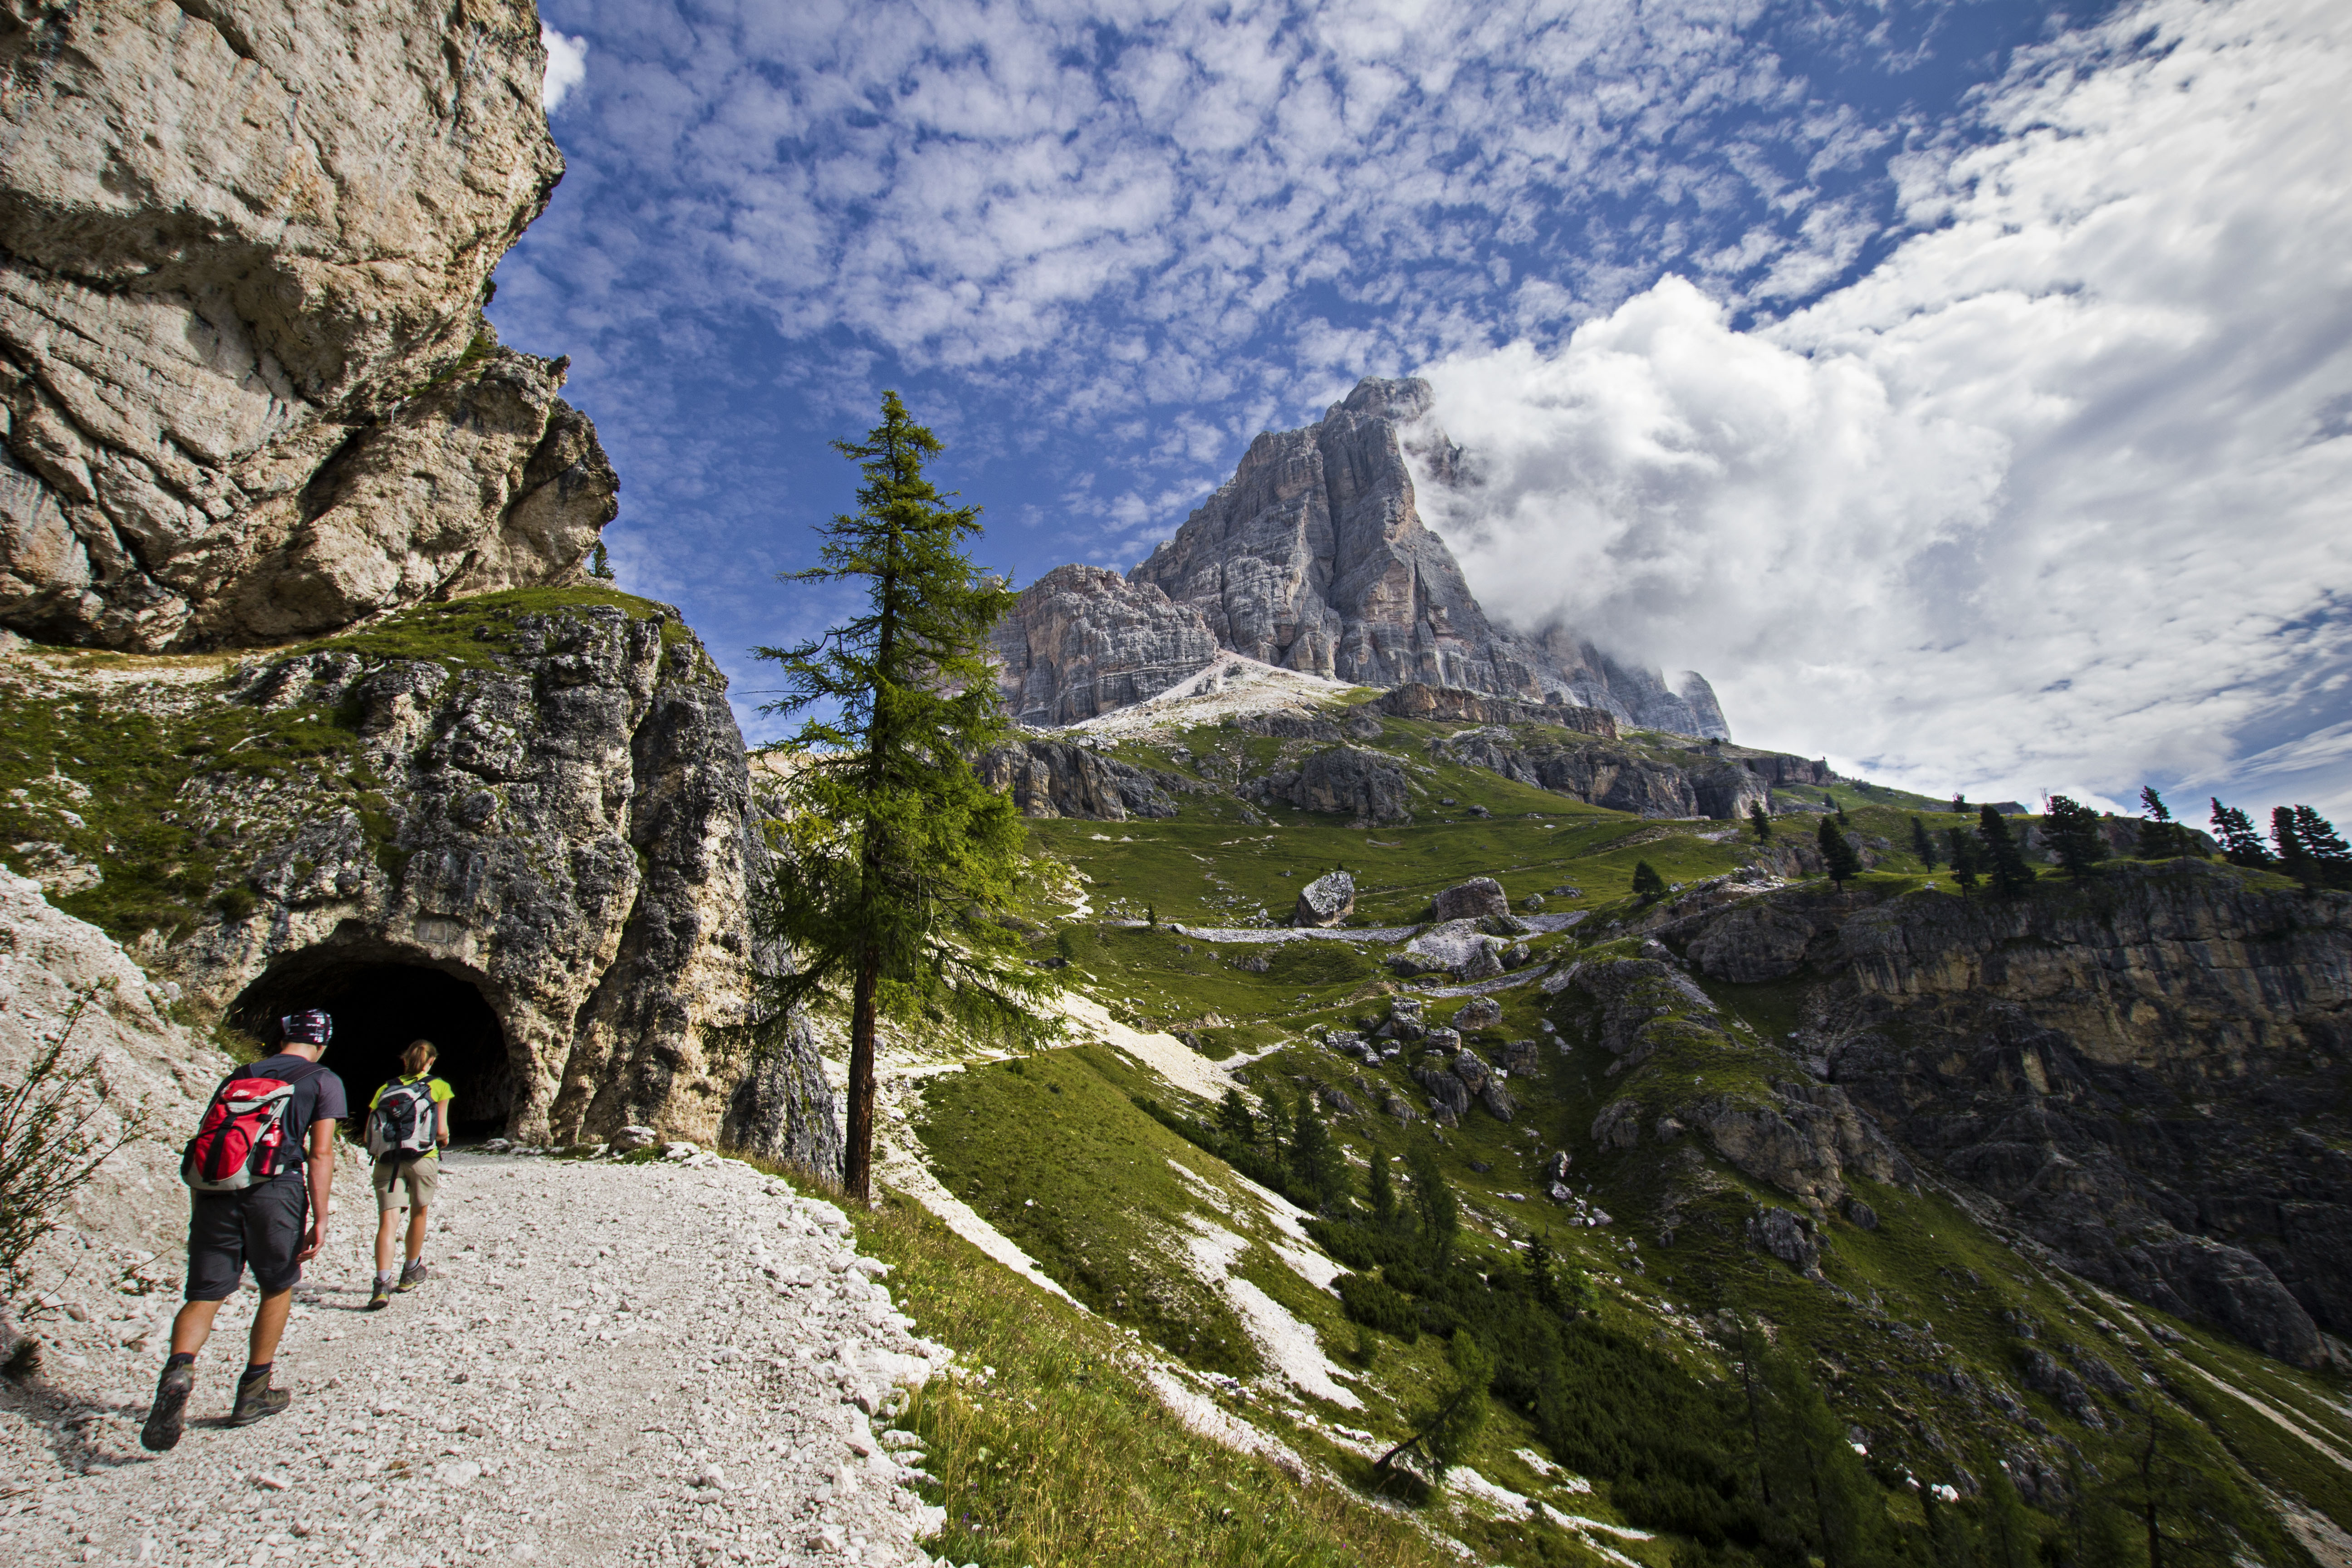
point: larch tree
(1922, 845)
(2326, 847)
(1760, 820)
(893, 860)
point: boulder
(1481, 1012)
(1326, 901)
(1473, 900)
(1618, 1125)
(1498, 1100)
(1447, 1092)
(252, 396)
(1456, 946)
(1518, 1058)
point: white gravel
(668, 1364)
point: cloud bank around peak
(2051, 497)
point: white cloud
(567, 66)
(2051, 497)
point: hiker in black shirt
(275, 1226)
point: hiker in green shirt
(408, 1123)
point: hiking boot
(170, 1411)
(413, 1275)
(255, 1401)
(380, 1299)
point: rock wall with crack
(247, 391)
(2147, 1073)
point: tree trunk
(858, 1153)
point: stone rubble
(676, 1363)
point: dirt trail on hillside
(610, 1364)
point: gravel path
(670, 1363)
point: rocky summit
(1314, 557)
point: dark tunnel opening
(379, 1007)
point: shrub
(53, 1139)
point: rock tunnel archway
(380, 1003)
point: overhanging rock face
(246, 393)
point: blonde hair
(420, 1055)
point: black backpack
(403, 1125)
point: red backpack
(243, 1139)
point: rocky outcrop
(2146, 1071)
(1364, 786)
(1082, 641)
(247, 394)
(517, 826)
(1057, 778)
(1619, 777)
(782, 1109)
(1415, 701)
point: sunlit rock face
(246, 391)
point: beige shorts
(420, 1177)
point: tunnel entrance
(379, 1007)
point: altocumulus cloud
(2054, 495)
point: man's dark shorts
(262, 1226)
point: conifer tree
(600, 565)
(1443, 1428)
(1234, 1120)
(1381, 1190)
(1922, 845)
(2241, 845)
(1837, 855)
(2011, 1539)
(2005, 864)
(1316, 1162)
(1647, 883)
(2072, 830)
(1821, 1476)
(894, 859)
(1760, 821)
(2294, 858)
(1432, 1202)
(1959, 804)
(2160, 837)
(1968, 859)
(2325, 845)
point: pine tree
(1922, 845)
(600, 565)
(1837, 855)
(2294, 858)
(2072, 830)
(2011, 1539)
(1959, 804)
(895, 861)
(2160, 837)
(2325, 845)
(1316, 1162)
(1760, 821)
(1821, 1477)
(2241, 845)
(1432, 1202)
(1443, 1428)
(1968, 859)
(1381, 1190)
(2005, 862)
(1647, 883)
(1234, 1120)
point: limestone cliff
(515, 824)
(2147, 1073)
(1314, 557)
(1083, 641)
(246, 393)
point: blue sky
(1964, 388)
